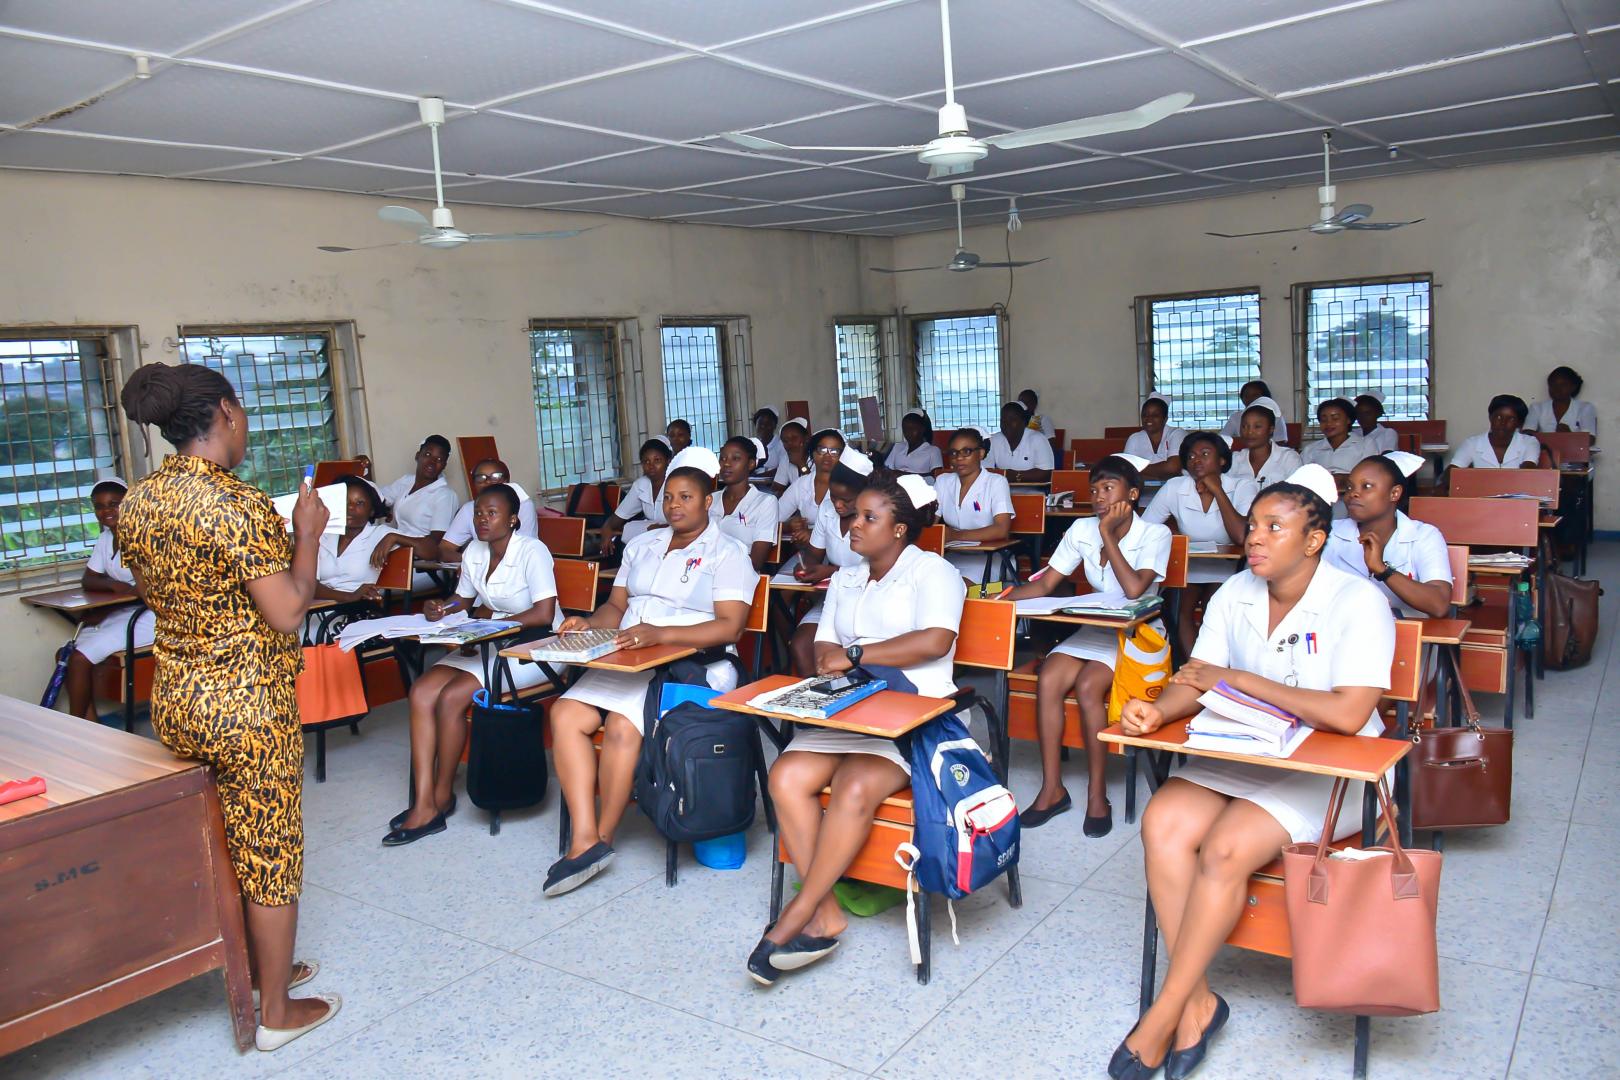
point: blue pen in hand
(309, 476)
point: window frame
(884, 330)
(614, 332)
(1003, 374)
(1142, 313)
(735, 361)
(1299, 294)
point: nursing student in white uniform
(1307, 637)
(1339, 448)
(1406, 559)
(829, 548)
(641, 507)
(915, 452)
(765, 421)
(460, 533)
(1158, 443)
(747, 514)
(1503, 445)
(104, 634)
(1379, 438)
(1122, 556)
(903, 607)
(1259, 456)
(1025, 456)
(796, 508)
(795, 436)
(344, 572)
(1031, 401)
(677, 435)
(689, 585)
(424, 504)
(1561, 410)
(504, 575)
(1209, 506)
(974, 503)
(1249, 393)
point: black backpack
(699, 766)
(506, 756)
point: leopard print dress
(195, 535)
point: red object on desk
(15, 790)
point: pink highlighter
(16, 790)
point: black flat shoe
(566, 875)
(760, 968)
(1126, 1064)
(1179, 1064)
(399, 819)
(1034, 819)
(801, 952)
(1101, 825)
(401, 836)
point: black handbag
(506, 755)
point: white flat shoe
(311, 968)
(268, 1039)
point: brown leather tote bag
(1363, 929)
(1571, 622)
(1462, 777)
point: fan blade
(404, 215)
(373, 247)
(1007, 265)
(1128, 120)
(1262, 232)
(1352, 214)
(754, 142)
(1381, 226)
(937, 172)
(556, 234)
(903, 270)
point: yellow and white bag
(1141, 666)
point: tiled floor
(452, 963)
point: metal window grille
(60, 438)
(1198, 349)
(694, 362)
(1352, 336)
(959, 370)
(860, 369)
(283, 379)
(576, 402)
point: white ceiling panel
(522, 192)
(330, 175)
(1223, 155)
(1591, 14)
(485, 144)
(57, 76)
(660, 205)
(1603, 145)
(1302, 166)
(712, 21)
(872, 125)
(42, 150)
(199, 105)
(860, 52)
(666, 167)
(1069, 95)
(1087, 173)
(1191, 20)
(907, 198)
(466, 51)
(1159, 186)
(686, 100)
(1386, 37)
(1606, 51)
(158, 25)
(801, 184)
(1518, 111)
(767, 215)
(1522, 137)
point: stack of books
(575, 647)
(464, 632)
(817, 697)
(1240, 724)
(1505, 559)
(1094, 605)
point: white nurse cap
(1137, 463)
(1376, 395)
(1317, 480)
(1268, 404)
(855, 461)
(759, 449)
(918, 490)
(1407, 463)
(696, 457)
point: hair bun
(152, 394)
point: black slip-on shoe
(399, 819)
(1034, 819)
(401, 836)
(1180, 1063)
(566, 875)
(1101, 825)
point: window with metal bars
(1353, 336)
(576, 401)
(959, 369)
(695, 364)
(860, 369)
(1198, 349)
(59, 421)
(283, 379)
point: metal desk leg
(1150, 958)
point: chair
(564, 536)
(984, 640)
(330, 472)
(473, 449)
(1486, 483)
(1429, 432)
(1263, 926)
(1090, 451)
(932, 539)
(1076, 480)
(1121, 432)
(1296, 433)
(1028, 525)
(1567, 447)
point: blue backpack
(966, 832)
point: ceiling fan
(441, 232)
(1351, 217)
(964, 260)
(954, 151)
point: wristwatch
(854, 654)
(1385, 574)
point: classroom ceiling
(613, 106)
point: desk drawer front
(1484, 669)
(1263, 926)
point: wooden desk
(887, 714)
(1084, 511)
(75, 602)
(989, 549)
(114, 884)
(1093, 620)
(796, 586)
(1223, 551)
(1354, 757)
(633, 661)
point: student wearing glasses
(799, 504)
(485, 474)
(974, 503)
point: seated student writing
(1122, 556)
(903, 607)
(424, 504)
(688, 585)
(1158, 442)
(1560, 411)
(345, 571)
(1024, 456)
(795, 436)
(765, 423)
(677, 435)
(915, 452)
(1379, 438)
(1249, 393)
(1407, 559)
(641, 508)
(828, 548)
(746, 513)
(1213, 823)
(1208, 505)
(974, 503)
(1259, 455)
(798, 505)
(104, 633)
(460, 533)
(504, 575)
(1503, 445)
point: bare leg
(1096, 679)
(802, 646)
(860, 783)
(271, 932)
(572, 755)
(796, 781)
(451, 720)
(81, 693)
(621, 749)
(1057, 678)
(1242, 839)
(425, 743)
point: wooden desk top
(630, 660)
(1092, 620)
(74, 600)
(1071, 511)
(887, 714)
(796, 586)
(1550, 521)
(1504, 571)
(435, 564)
(982, 548)
(1435, 447)
(1355, 757)
(77, 759)
(1444, 631)
(1223, 551)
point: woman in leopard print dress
(212, 559)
